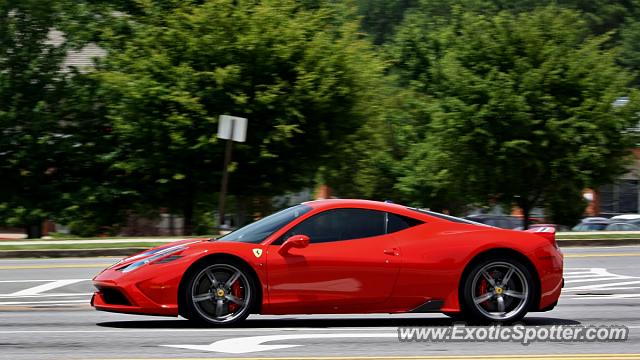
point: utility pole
(232, 129)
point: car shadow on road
(327, 322)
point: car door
(351, 263)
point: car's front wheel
(222, 293)
(498, 290)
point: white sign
(232, 127)
(243, 345)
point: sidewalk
(8, 236)
(96, 241)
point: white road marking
(250, 344)
(598, 279)
(57, 302)
(27, 297)
(602, 286)
(213, 330)
(578, 274)
(594, 279)
(593, 273)
(10, 296)
(45, 287)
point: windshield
(256, 232)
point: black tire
(481, 299)
(210, 300)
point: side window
(340, 224)
(397, 222)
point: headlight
(162, 254)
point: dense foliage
(521, 108)
(444, 104)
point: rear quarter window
(397, 222)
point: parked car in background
(592, 224)
(622, 226)
(626, 217)
(633, 219)
(501, 221)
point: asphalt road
(44, 314)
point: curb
(597, 242)
(117, 252)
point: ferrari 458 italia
(342, 256)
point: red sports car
(342, 256)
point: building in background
(620, 197)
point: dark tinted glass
(340, 224)
(398, 222)
(258, 231)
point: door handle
(392, 252)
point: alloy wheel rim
(500, 290)
(221, 293)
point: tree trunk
(34, 230)
(187, 214)
(241, 211)
(526, 210)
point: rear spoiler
(546, 232)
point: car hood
(165, 248)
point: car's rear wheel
(498, 290)
(220, 294)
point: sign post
(232, 129)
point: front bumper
(139, 292)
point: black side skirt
(429, 307)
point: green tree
(99, 197)
(380, 17)
(521, 107)
(56, 139)
(601, 16)
(32, 156)
(301, 74)
(630, 54)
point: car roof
(593, 220)
(626, 217)
(332, 203)
(325, 204)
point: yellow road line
(428, 357)
(54, 266)
(600, 255)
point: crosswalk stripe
(45, 287)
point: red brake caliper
(238, 292)
(482, 289)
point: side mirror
(295, 241)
